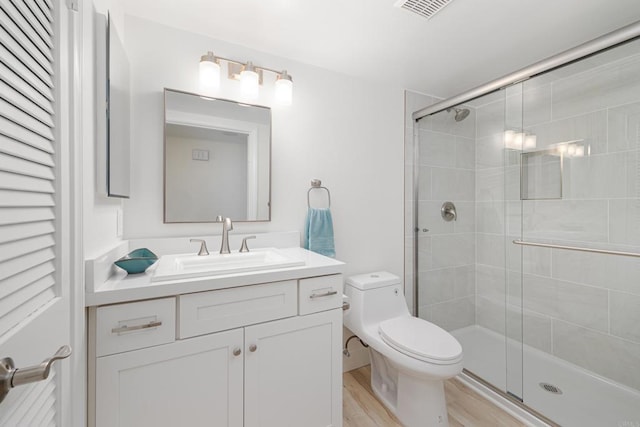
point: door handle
(11, 377)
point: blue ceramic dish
(137, 261)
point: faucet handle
(244, 247)
(219, 218)
(203, 247)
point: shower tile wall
(581, 307)
(446, 293)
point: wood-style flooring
(466, 408)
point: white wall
(196, 189)
(100, 214)
(347, 132)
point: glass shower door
(466, 281)
(534, 170)
(580, 188)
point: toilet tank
(374, 297)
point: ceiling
(466, 44)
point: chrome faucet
(226, 226)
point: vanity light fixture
(249, 75)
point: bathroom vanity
(258, 348)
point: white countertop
(122, 287)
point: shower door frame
(613, 39)
(602, 43)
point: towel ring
(316, 184)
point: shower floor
(587, 400)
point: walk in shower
(534, 264)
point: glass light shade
(530, 142)
(249, 82)
(284, 89)
(518, 139)
(209, 73)
(509, 135)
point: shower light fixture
(519, 140)
(249, 75)
(570, 149)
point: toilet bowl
(410, 357)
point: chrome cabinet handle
(326, 294)
(126, 328)
(253, 348)
(237, 351)
(11, 377)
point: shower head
(461, 113)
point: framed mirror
(217, 159)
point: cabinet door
(196, 382)
(293, 375)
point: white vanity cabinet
(242, 356)
(185, 383)
(293, 372)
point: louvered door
(34, 303)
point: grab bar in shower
(576, 248)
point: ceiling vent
(424, 8)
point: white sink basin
(183, 266)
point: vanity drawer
(135, 325)
(213, 311)
(320, 294)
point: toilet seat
(421, 340)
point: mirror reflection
(217, 159)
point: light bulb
(518, 139)
(249, 82)
(509, 135)
(284, 89)
(530, 141)
(209, 73)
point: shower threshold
(587, 400)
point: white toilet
(410, 357)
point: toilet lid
(421, 339)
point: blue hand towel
(318, 232)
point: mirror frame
(117, 114)
(164, 157)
